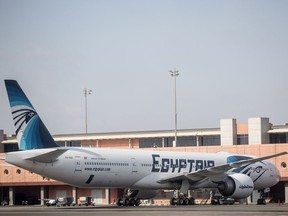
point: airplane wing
(217, 170)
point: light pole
(86, 92)
(175, 73)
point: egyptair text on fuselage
(160, 164)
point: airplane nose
(274, 173)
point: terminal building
(257, 137)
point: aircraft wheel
(173, 201)
(191, 201)
(186, 201)
(261, 202)
(180, 201)
(126, 202)
(131, 202)
(137, 202)
(119, 202)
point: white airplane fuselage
(94, 167)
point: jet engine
(237, 185)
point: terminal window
(278, 138)
(181, 141)
(242, 139)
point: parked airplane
(143, 172)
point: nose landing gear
(261, 200)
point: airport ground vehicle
(51, 202)
(65, 201)
(86, 201)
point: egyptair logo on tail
(21, 117)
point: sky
(232, 56)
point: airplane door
(134, 166)
(78, 166)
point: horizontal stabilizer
(49, 156)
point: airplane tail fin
(30, 131)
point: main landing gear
(128, 198)
(182, 200)
(128, 202)
(181, 196)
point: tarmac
(110, 210)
